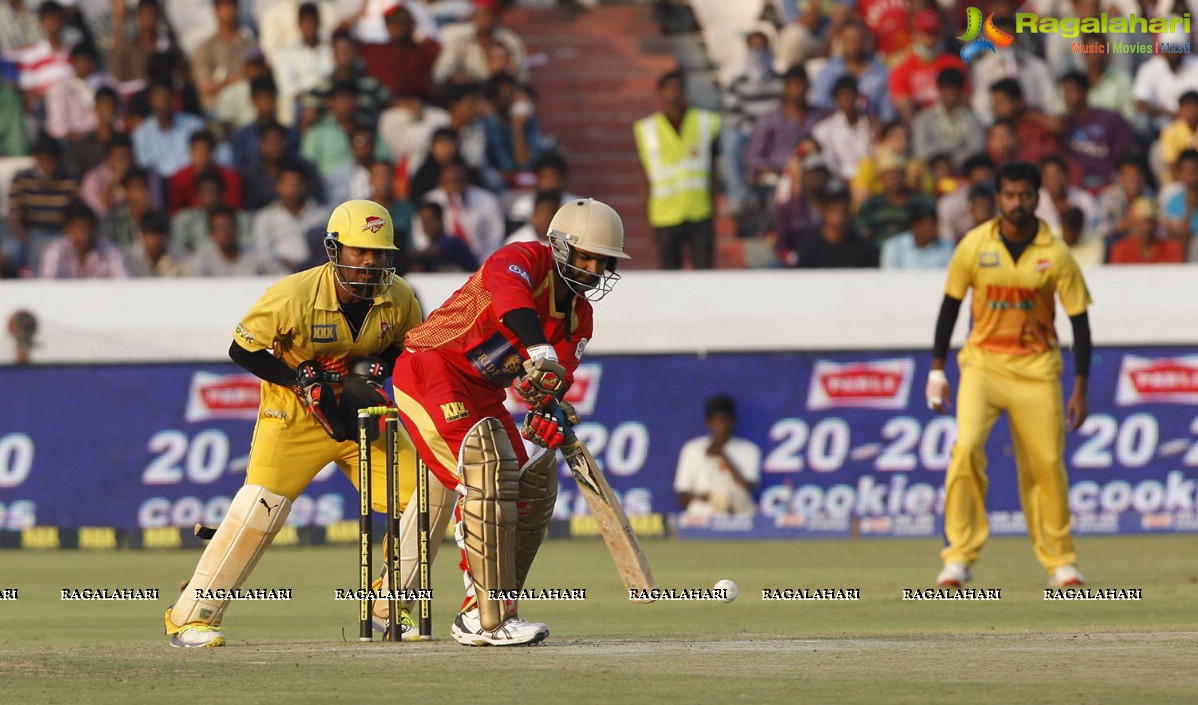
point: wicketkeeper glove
(363, 387)
(311, 387)
(544, 377)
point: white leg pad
(255, 516)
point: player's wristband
(539, 352)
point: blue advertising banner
(848, 446)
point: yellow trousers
(1035, 411)
(287, 453)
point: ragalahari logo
(976, 45)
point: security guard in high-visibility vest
(677, 147)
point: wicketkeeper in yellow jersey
(322, 341)
(1011, 362)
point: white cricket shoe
(954, 575)
(1066, 576)
(468, 630)
(197, 636)
(194, 635)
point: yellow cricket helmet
(366, 225)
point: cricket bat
(609, 515)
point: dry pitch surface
(880, 649)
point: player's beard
(586, 280)
(1019, 218)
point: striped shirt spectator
(71, 103)
(39, 195)
(48, 59)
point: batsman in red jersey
(522, 320)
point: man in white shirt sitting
(717, 473)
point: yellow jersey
(299, 318)
(1013, 309)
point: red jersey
(915, 79)
(468, 329)
(889, 23)
(1129, 251)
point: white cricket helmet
(593, 227)
(367, 225)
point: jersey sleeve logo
(582, 345)
(515, 269)
(373, 223)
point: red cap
(492, 5)
(927, 20)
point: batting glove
(543, 379)
(545, 428)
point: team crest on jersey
(373, 223)
(384, 329)
(515, 269)
(454, 411)
(324, 332)
(513, 365)
(988, 259)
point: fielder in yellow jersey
(323, 341)
(1011, 362)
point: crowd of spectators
(144, 149)
(857, 130)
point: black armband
(526, 325)
(945, 322)
(263, 364)
(1083, 347)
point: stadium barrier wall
(135, 453)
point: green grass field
(881, 649)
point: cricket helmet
(366, 225)
(589, 226)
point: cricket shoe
(954, 575)
(195, 635)
(468, 630)
(1066, 576)
(407, 627)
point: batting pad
(491, 475)
(255, 516)
(440, 509)
(534, 508)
